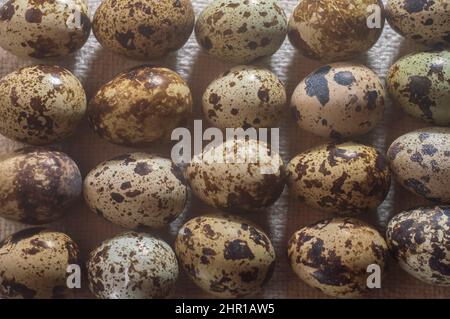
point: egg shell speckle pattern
(41, 104)
(346, 178)
(241, 31)
(339, 100)
(132, 266)
(37, 186)
(141, 106)
(334, 30)
(424, 21)
(244, 96)
(225, 256)
(419, 239)
(33, 264)
(144, 29)
(237, 175)
(420, 161)
(420, 84)
(135, 190)
(333, 256)
(43, 29)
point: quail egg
(419, 239)
(143, 29)
(346, 178)
(420, 84)
(44, 29)
(334, 256)
(33, 264)
(225, 256)
(336, 30)
(141, 106)
(136, 190)
(420, 161)
(132, 266)
(426, 22)
(237, 175)
(244, 96)
(37, 186)
(339, 101)
(41, 104)
(241, 31)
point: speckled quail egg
(346, 178)
(136, 190)
(33, 264)
(420, 84)
(334, 255)
(41, 104)
(141, 106)
(424, 21)
(143, 29)
(37, 186)
(339, 100)
(237, 175)
(43, 29)
(225, 256)
(241, 31)
(420, 161)
(336, 30)
(419, 239)
(132, 266)
(244, 96)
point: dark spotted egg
(225, 256)
(140, 106)
(334, 255)
(339, 100)
(132, 266)
(241, 31)
(420, 161)
(41, 104)
(37, 186)
(33, 264)
(336, 30)
(419, 239)
(420, 84)
(143, 29)
(424, 21)
(346, 178)
(43, 29)
(136, 190)
(244, 96)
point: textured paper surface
(95, 66)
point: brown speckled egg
(136, 190)
(132, 266)
(225, 256)
(141, 106)
(339, 101)
(43, 29)
(346, 178)
(419, 239)
(244, 96)
(41, 104)
(143, 29)
(333, 256)
(237, 175)
(420, 161)
(37, 186)
(241, 31)
(424, 21)
(33, 264)
(335, 30)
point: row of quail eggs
(224, 255)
